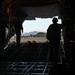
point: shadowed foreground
(29, 58)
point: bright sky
(37, 25)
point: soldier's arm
(61, 26)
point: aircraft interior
(33, 58)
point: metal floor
(28, 59)
(25, 68)
(26, 52)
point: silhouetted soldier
(53, 35)
(18, 27)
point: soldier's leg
(18, 38)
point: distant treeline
(40, 34)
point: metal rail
(26, 68)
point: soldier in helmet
(18, 28)
(53, 35)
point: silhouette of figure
(53, 35)
(18, 27)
